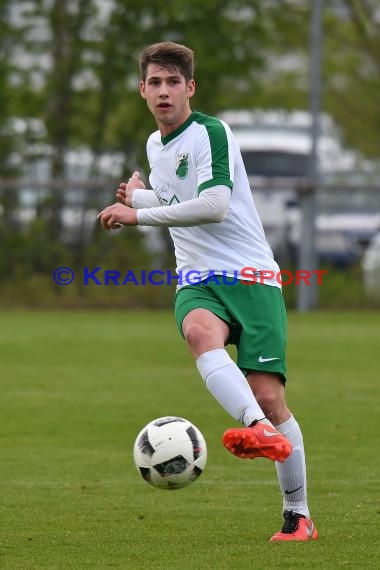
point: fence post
(307, 295)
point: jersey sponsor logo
(182, 165)
(173, 200)
(165, 196)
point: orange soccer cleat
(257, 440)
(296, 527)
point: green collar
(178, 131)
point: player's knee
(268, 401)
(197, 336)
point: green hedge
(28, 260)
(339, 290)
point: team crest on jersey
(182, 166)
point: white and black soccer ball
(170, 453)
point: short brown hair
(169, 56)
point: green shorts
(256, 317)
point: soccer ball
(170, 453)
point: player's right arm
(135, 195)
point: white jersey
(200, 154)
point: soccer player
(200, 190)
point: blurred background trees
(74, 64)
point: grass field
(76, 387)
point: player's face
(167, 94)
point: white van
(276, 147)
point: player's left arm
(210, 207)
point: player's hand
(125, 190)
(117, 215)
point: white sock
(228, 385)
(292, 472)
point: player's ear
(142, 89)
(191, 88)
